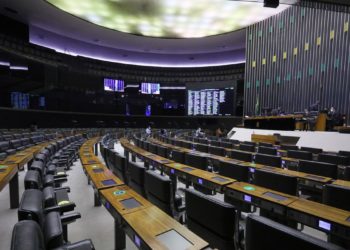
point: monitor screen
(215, 101)
(150, 88)
(113, 85)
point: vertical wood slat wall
(312, 61)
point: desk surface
(260, 192)
(88, 159)
(116, 195)
(342, 183)
(99, 177)
(150, 222)
(6, 174)
(321, 211)
(208, 176)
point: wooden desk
(9, 174)
(148, 224)
(88, 159)
(99, 174)
(144, 222)
(200, 177)
(322, 217)
(342, 183)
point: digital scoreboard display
(211, 102)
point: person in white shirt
(148, 130)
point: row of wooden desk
(10, 167)
(303, 177)
(316, 215)
(146, 225)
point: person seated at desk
(218, 132)
(148, 131)
(199, 132)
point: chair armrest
(80, 245)
(69, 218)
(63, 188)
(67, 207)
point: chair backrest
(216, 151)
(137, 178)
(336, 196)
(53, 232)
(334, 159)
(267, 150)
(298, 154)
(265, 144)
(27, 235)
(196, 161)
(15, 143)
(4, 145)
(210, 219)
(312, 150)
(263, 233)
(249, 143)
(276, 181)
(178, 156)
(289, 147)
(247, 147)
(31, 206)
(269, 160)
(235, 171)
(162, 151)
(152, 148)
(240, 155)
(202, 148)
(226, 144)
(159, 190)
(318, 168)
(119, 166)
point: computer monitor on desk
(265, 234)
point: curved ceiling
(169, 18)
(66, 33)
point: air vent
(8, 9)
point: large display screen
(211, 101)
(20, 100)
(150, 88)
(113, 85)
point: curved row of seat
(43, 208)
(137, 152)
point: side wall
(297, 58)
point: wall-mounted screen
(150, 88)
(213, 101)
(113, 85)
(20, 100)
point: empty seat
(289, 147)
(267, 150)
(265, 234)
(247, 147)
(298, 154)
(265, 144)
(269, 160)
(196, 161)
(137, 178)
(334, 159)
(240, 155)
(211, 219)
(216, 151)
(318, 168)
(178, 156)
(336, 196)
(159, 190)
(312, 150)
(235, 171)
(202, 148)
